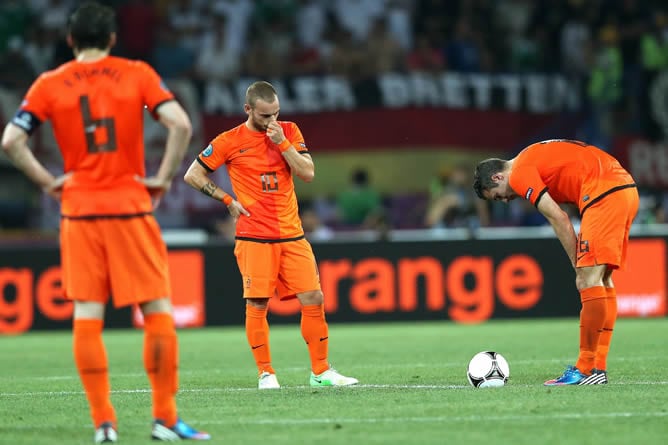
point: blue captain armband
(26, 120)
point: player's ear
(70, 41)
(112, 40)
(497, 177)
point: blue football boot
(179, 431)
(571, 376)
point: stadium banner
(647, 161)
(641, 288)
(31, 294)
(531, 92)
(461, 281)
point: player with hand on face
(565, 171)
(274, 258)
(110, 241)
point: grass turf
(413, 387)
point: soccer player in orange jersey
(565, 171)
(110, 241)
(274, 258)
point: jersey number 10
(269, 181)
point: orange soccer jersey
(261, 179)
(572, 171)
(110, 242)
(96, 110)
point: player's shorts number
(91, 125)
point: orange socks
(90, 357)
(592, 320)
(161, 363)
(316, 334)
(606, 335)
(257, 333)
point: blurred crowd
(612, 48)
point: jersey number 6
(91, 125)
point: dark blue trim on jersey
(107, 216)
(154, 111)
(604, 194)
(269, 241)
(540, 195)
(203, 164)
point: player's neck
(91, 55)
(252, 127)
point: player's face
(502, 192)
(263, 113)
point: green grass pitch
(413, 387)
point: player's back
(97, 111)
(574, 171)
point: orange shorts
(276, 269)
(604, 230)
(122, 258)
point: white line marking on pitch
(296, 387)
(585, 415)
(142, 375)
(393, 420)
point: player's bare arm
(300, 164)
(561, 224)
(15, 146)
(198, 178)
(179, 131)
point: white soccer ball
(488, 369)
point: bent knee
(311, 297)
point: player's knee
(258, 303)
(585, 279)
(156, 306)
(311, 297)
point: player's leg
(315, 330)
(85, 281)
(299, 276)
(603, 348)
(589, 272)
(90, 357)
(258, 264)
(589, 281)
(139, 275)
(627, 207)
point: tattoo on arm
(208, 189)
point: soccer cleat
(597, 377)
(179, 431)
(332, 378)
(571, 376)
(268, 380)
(105, 433)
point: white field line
(393, 420)
(438, 419)
(142, 375)
(287, 388)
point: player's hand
(55, 189)
(236, 210)
(156, 187)
(275, 132)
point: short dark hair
(91, 26)
(482, 178)
(260, 90)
